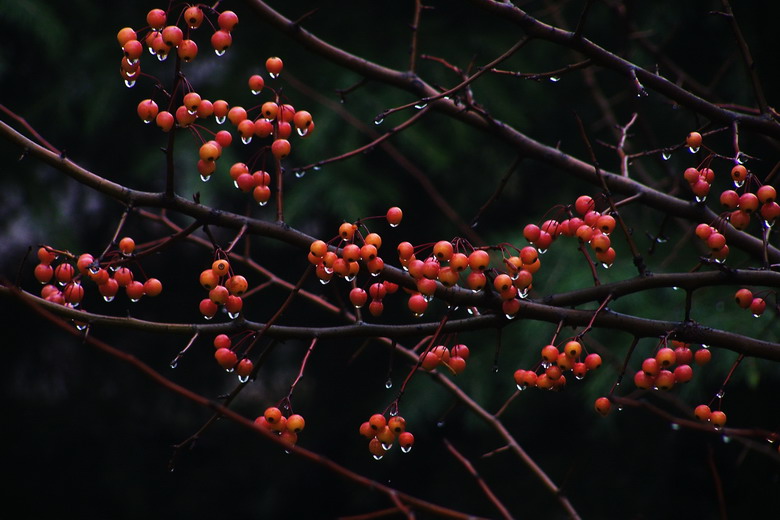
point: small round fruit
(274, 66)
(693, 140)
(603, 405)
(152, 287)
(702, 412)
(220, 267)
(226, 358)
(394, 216)
(127, 246)
(718, 418)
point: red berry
(358, 297)
(193, 15)
(152, 287)
(394, 216)
(256, 83)
(280, 148)
(274, 66)
(718, 419)
(156, 18)
(757, 306)
(702, 356)
(417, 304)
(744, 298)
(187, 51)
(603, 405)
(43, 273)
(377, 422)
(693, 140)
(702, 412)
(221, 41)
(222, 341)
(592, 361)
(226, 358)
(147, 110)
(227, 20)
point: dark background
(88, 435)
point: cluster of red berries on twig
(747, 300)
(550, 372)
(225, 289)
(286, 427)
(110, 275)
(383, 434)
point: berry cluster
(286, 427)
(345, 262)
(274, 118)
(453, 358)
(586, 223)
(160, 38)
(110, 275)
(715, 240)
(382, 434)
(747, 300)
(225, 289)
(704, 413)
(549, 373)
(670, 366)
(225, 354)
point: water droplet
(243, 379)
(756, 315)
(740, 158)
(302, 131)
(300, 173)
(246, 140)
(509, 316)
(219, 52)
(350, 277)
(151, 51)
(220, 119)
(207, 317)
(555, 79)
(675, 426)
(421, 105)
(417, 314)
(324, 281)
(229, 370)
(666, 155)
(661, 240)
(378, 120)
(255, 92)
(108, 298)
(704, 346)
(579, 377)
(329, 270)
(720, 394)
(387, 446)
(541, 251)
(520, 388)
(162, 56)
(378, 457)
(720, 260)
(80, 326)
(693, 149)
(605, 266)
(192, 112)
(316, 167)
(619, 408)
(406, 449)
(375, 274)
(235, 184)
(523, 293)
(129, 83)
(393, 225)
(739, 184)
(675, 288)
(175, 363)
(701, 199)
(262, 203)
(205, 178)
(233, 315)
(389, 383)
(273, 75)
(134, 300)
